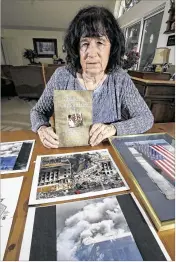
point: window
(143, 37)
(132, 37)
(150, 38)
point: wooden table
(15, 238)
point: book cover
(73, 116)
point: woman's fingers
(98, 133)
(47, 144)
(101, 133)
(51, 132)
(94, 128)
(48, 137)
(95, 132)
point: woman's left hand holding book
(47, 136)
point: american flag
(162, 157)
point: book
(73, 117)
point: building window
(132, 37)
(143, 38)
(149, 40)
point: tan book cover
(73, 116)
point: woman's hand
(99, 132)
(48, 138)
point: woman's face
(94, 54)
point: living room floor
(15, 113)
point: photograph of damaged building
(77, 173)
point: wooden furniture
(16, 235)
(7, 85)
(28, 81)
(48, 71)
(159, 96)
(149, 75)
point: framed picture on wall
(45, 47)
(171, 40)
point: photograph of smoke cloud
(151, 159)
(15, 156)
(76, 175)
(102, 229)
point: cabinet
(159, 96)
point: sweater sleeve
(44, 108)
(140, 118)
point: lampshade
(161, 56)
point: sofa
(28, 81)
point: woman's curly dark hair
(94, 21)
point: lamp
(161, 57)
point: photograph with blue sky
(15, 156)
(94, 230)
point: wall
(143, 8)
(2, 56)
(162, 40)
(15, 41)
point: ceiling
(45, 14)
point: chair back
(28, 81)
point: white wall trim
(155, 11)
(142, 41)
(145, 16)
(140, 35)
(131, 24)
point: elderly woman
(95, 47)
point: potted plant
(57, 60)
(31, 55)
(131, 58)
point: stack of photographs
(103, 229)
(149, 160)
(10, 191)
(111, 228)
(15, 156)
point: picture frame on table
(45, 47)
(149, 160)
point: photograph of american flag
(160, 156)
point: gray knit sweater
(116, 101)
